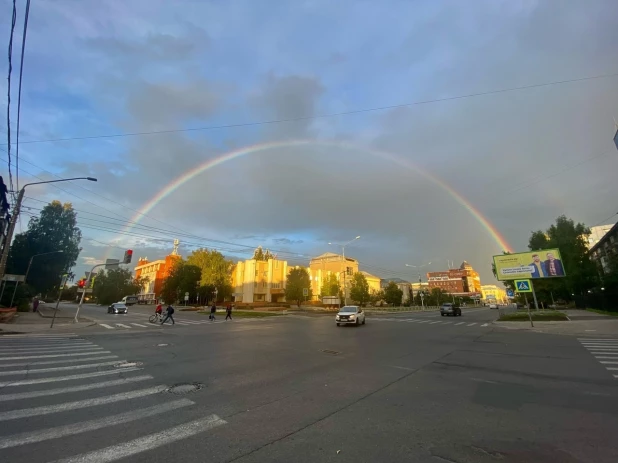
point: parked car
(117, 307)
(450, 309)
(493, 305)
(350, 315)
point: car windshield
(349, 309)
(448, 304)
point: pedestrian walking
(228, 312)
(213, 310)
(35, 304)
(168, 315)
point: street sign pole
(536, 304)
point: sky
(441, 142)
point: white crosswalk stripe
(604, 350)
(137, 324)
(106, 326)
(187, 322)
(425, 321)
(132, 398)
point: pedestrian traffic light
(128, 255)
(81, 283)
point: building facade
(155, 272)
(403, 285)
(327, 264)
(493, 293)
(373, 281)
(462, 281)
(597, 233)
(260, 280)
(605, 250)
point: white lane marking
(602, 351)
(41, 336)
(106, 326)
(141, 326)
(30, 437)
(123, 326)
(39, 343)
(424, 321)
(149, 442)
(55, 379)
(192, 322)
(55, 355)
(485, 324)
(51, 362)
(607, 357)
(403, 368)
(615, 376)
(183, 323)
(601, 344)
(611, 368)
(70, 367)
(66, 390)
(78, 404)
(433, 323)
(607, 362)
(471, 324)
(597, 339)
(51, 350)
(460, 323)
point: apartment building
(260, 280)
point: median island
(540, 316)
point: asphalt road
(298, 389)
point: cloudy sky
(138, 93)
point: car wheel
(364, 320)
(442, 315)
(338, 324)
(357, 322)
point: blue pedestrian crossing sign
(510, 293)
(523, 286)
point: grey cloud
(286, 241)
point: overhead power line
(327, 115)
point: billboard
(529, 265)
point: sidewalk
(39, 322)
(582, 323)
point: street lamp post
(37, 255)
(16, 210)
(420, 282)
(345, 289)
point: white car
(493, 305)
(350, 315)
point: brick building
(462, 281)
(156, 272)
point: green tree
(216, 271)
(183, 278)
(55, 229)
(330, 285)
(297, 280)
(437, 296)
(359, 289)
(581, 273)
(376, 297)
(112, 285)
(392, 294)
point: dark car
(450, 309)
(117, 307)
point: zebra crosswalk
(429, 321)
(43, 398)
(605, 350)
(180, 322)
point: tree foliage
(359, 289)
(55, 229)
(183, 278)
(392, 294)
(297, 280)
(330, 286)
(261, 254)
(581, 273)
(216, 272)
(376, 297)
(112, 285)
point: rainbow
(241, 152)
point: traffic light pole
(81, 301)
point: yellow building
(493, 293)
(373, 281)
(327, 264)
(260, 280)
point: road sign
(305, 292)
(187, 294)
(186, 297)
(510, 293)
(523, 286)
(111, 264)
(9, 277)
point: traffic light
(81, 283)
(128, 255)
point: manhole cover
(331, 352)
(185, 388)
(128, 364)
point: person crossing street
(168, 315)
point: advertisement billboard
(529, 265)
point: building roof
(325, 255)
(369, 275)
(465, 265)
(612, 232)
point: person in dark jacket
(169, 313)
(213, 310)
(228, 312)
